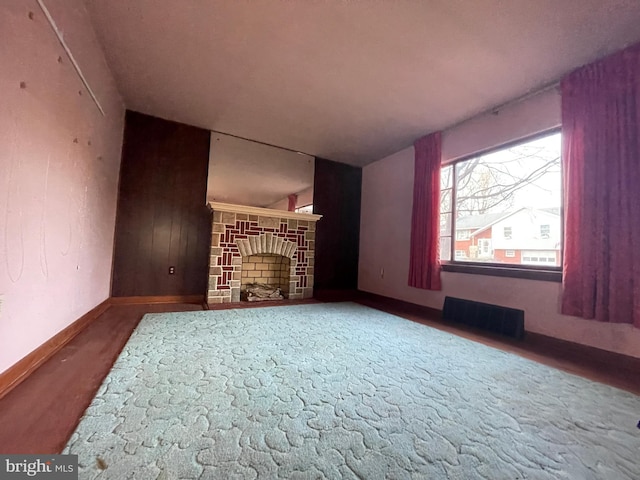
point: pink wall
(385, 222)
(518, 120)
(59, 164)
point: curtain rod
(545, 88)
(494, 110)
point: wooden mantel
(265, 212)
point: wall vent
(492, 318)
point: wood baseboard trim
(199, 299)
(334, 295)
(408, 307)
(20, 371)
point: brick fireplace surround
(240, 231)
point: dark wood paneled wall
(162, 218)
(336, 196)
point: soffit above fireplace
(265, 212)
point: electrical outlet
(172, 270)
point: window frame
(531, 272)
(297, 209)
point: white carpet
(343, 391)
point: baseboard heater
(492, 318)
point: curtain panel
(293, 202)
(424, 266)
(601, 168)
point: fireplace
(269, 269)
(280, 243)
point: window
(532, 257)
(305, 209)
(487, 197)
(545, 231)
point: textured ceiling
(351, 81)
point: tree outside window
(507, 201)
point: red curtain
(293, 200)
(601, 161)
(424, 266)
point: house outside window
(507, 202)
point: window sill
(548, 275)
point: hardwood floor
(40, 414)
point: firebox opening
(265, 277)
